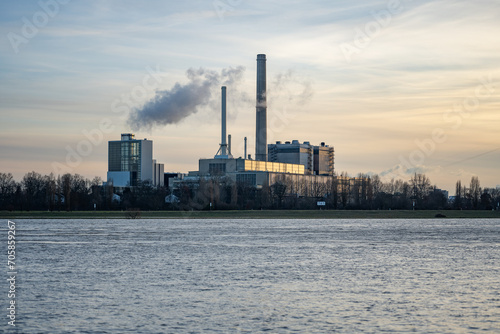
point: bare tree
(345, 189)
(66, 181)
(33, 190)
(50, 191)
(421, 186)
(458, 195)
(475, 191)
(7, 190)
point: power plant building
(324, 159)
(298, 163)
(317, 160)
(130, 162)
(304, 169)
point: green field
(255, 214)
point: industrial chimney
(223, 150)
(245, 155)
(261, 110)
(223, 145)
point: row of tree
(46, 192)
(362, 192)
(71, 192)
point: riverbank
(253, 214)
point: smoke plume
(172, 106)
(289, 88)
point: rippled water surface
(248, 276)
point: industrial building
(299, 163)
(317, 160)
(130, 162)
(303, 166)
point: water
(251, 276)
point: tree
(79, 192)
(421, 187)
(95, 190)
(376, 184)
(278, 191)
(50, 191)
(475, 192)
(7, 190)
(333, 195)
(33, 191)
(345, 189)
(486, 199)
(435, 200)
(458, 195)
(66, 181)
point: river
(253, 276)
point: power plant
(302, 163)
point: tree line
(73, 192)
(363, 192)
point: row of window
(267, 166)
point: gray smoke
(288, 88)
(172, 106)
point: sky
(396, 87)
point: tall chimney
(261, 126)
(223, 144)
(245, 155)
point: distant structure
(305, 169)
(130, 162)
(261, 111)
(317, 160)
(302, 164)
(225, 148)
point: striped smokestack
(261, 126)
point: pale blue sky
(374, 97)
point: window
(217, 168)
(248, 179)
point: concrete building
(158, 174)
(324, 159)
(130, 161)
(317, 160)
(251, 172)
(298, 163)
(306, 169)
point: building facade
(317, 160)
(130, 162)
